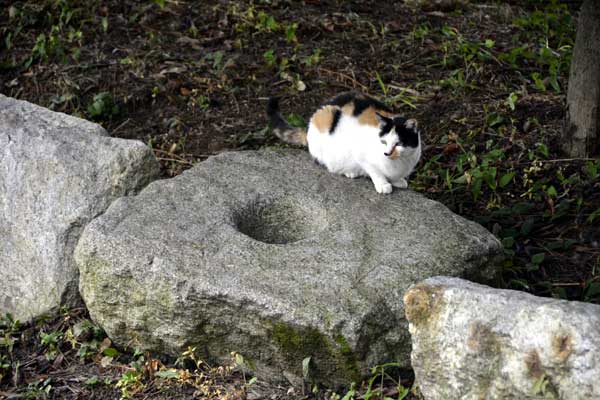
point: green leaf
(527, 226)
(506, 178)
(271, 24)
(538, 258)
(92, 381)
(252, 381)
(512, 100)
(290, 33)
(490, 177)
(522, 208)
(270, 57)
(476, 189)
(350, 394)
(543, 149)
(306, 367)
(539, 82)
(494, 119)
(593, 215)
(402, 392)
(239, 360)
(489, 43)
(592, 292)
(540, 384)
(461, 179)
(104, 24)
(168, 374)
(551, 191)
(296, 120)
(591, 169)
(508, 242)
(554, 83)
(111, 352)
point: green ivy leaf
(508, 242)
(593, 215)
(512, 100)
(168, 374)
(306, 367)
(538, 258)
(506, 178)
(111, 352)
(527, 226)
(592, 291)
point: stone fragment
(57, 172)
(269, 255)
(474, 342)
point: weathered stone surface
(56, 173)
(269, 255)
(474, 342)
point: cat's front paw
(383, 187)
(351, 175)
(400, 183)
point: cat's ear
(411, 124)
(382, 118)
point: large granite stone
(57, 172)
(267, 254)
(474, 342)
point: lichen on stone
(422, 302)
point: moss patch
(334, 360)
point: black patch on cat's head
(409, 137)
(386, 124)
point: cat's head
(398, 135)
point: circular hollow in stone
(280, 221)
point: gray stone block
(474, 342)
(57, 172)
(269, 255)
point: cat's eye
(384, 142)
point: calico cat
(356, 135)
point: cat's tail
(281, 128)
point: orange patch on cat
(324, 118)
(395, 154)
(348, 108)
(369, 117)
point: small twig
(88, 66)
(558, 160)
(169, 154)
(566, 284)
(403, 89)
(569, 159)
(345, 76)
(120, 126)
(174, 160)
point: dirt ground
(486, 81)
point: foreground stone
(269, 255)
(474, 342)
(57, 172)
